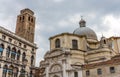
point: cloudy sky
(58, 16)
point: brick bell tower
(25, 25)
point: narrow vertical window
(5, 68)
(18, 55)
(32, 20)
(28, 18)
(20, 18)
(104, 41)
(75, 74)
(57, 43)
(87, 73)
(32, 60)
(99, 71)
(8, 51)
(13, 53)
(74, 44)
(23, 57)
(1, 49)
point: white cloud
(113, 23)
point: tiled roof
(114, 61)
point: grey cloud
(49, 13)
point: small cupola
(103, 41)
(82, 23)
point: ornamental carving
(56, 68)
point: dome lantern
(83, 30)
(82, 22)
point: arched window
(74, 44)
(20, 18)
(23, 18)
(13, 53)
(8, 51)
(10, 71)
(5, 68)
(28, 18)
(23, 57)
(18, 55)
(104, 41)
(31, 19)
(1, 49)
(57, 43)
(32, 60)
(15, 72)
(22, 73)
(31, 74)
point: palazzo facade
(18, 50)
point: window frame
(76, 74)
(99, 71)
(74, 44)
(87, 73)
(57, 43)
(112, 69)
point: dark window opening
(13, 53)
(18, 55)
(99, 71)
(28, 18)
(32, 20)
(104, 41)
(87, 73)
(57, 43)
(8, 51)
(10, 40)
(75, 74)
(112, 70)
(3, 37)
(1, 49)
(23, 57)
(74, 44)
(32, 60)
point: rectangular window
(3, 37)
(99, 71)
(74, 44)
(87, 73)
(75, 74)
(112, 70)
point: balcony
(10, 60)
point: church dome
(83, 30)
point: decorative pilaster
(47, 70)
(1, 69)
(64, 67)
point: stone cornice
(66, 34)
(11, 34)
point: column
(64, 67)
(80, 73)
(47, 70)
(1, 70)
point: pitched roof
(114, 61)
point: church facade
(71, 53)
(18, 50)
